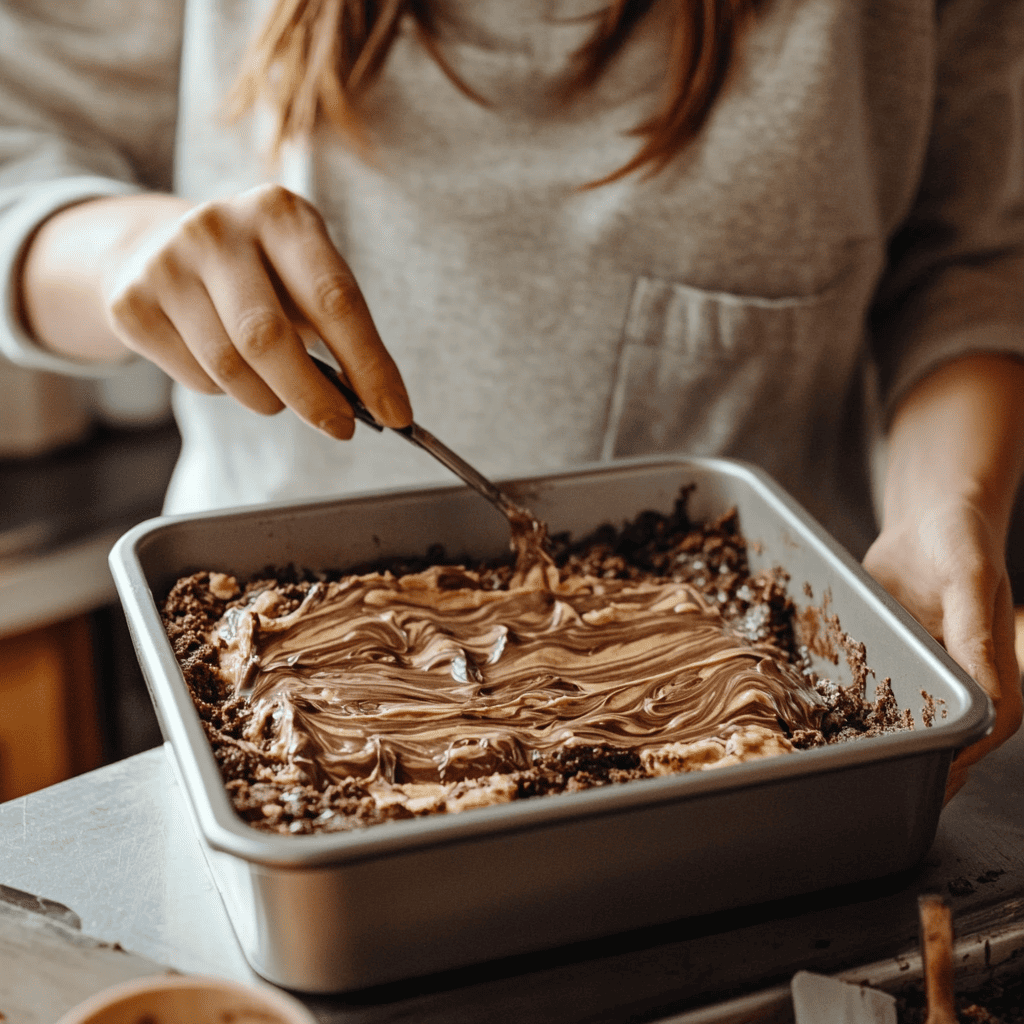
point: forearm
(958, 436)
(62, 283)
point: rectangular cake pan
(337, 912)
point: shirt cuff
(1001, 338)
(20, 216)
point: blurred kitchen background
(80, 463)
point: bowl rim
(113, 996)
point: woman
(569, 232)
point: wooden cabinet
(49, 722)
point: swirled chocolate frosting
(418, 679)
(341, 703)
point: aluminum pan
(336, 912)
(150, 557)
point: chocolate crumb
(960, 886)
(990, 876)
(710, 556)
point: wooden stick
(937, 954)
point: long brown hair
(313, 59)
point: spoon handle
(421, 437)
(462, 469)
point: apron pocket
(710, 373)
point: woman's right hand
(224, 297)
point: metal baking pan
(336, 912)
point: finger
(968, 624)
(325, 290)
(990, 659)
(195, 317)
(959, 775)
(905, 586)
(1012, 695)
(143, 327)
(265, 341)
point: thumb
(978, 632)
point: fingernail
(397, 410)
(339, 427)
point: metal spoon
(519, 517)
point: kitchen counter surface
(118, 848)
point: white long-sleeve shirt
(850, 216)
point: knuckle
(167, 268)
(136, 319)
(274, 203)
(131, 310)
(275, 200)
(226, 365)
(261, 331)
(338, 296)
(374, 367)
(205, 224)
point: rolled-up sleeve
(955, 283)
(88, 100)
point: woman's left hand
(948, 569)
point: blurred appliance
(40, 412)
(137, 395)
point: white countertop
(118, 847)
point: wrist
(957, 442)
(61, 278)
(912, 494)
